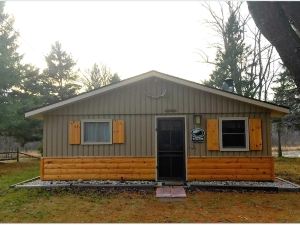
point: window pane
(96, 132)
(234, 141)
(233, 126)
(104, 132)
(233, 134)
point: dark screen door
(170, 148)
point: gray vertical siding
(133, 105)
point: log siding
(143, 168)
(98, 168)
(231, 168)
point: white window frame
(96, 121)
(221, 119)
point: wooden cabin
(157, 127)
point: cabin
(157, 127)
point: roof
(86, 95)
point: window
(234, 134)
(96, 131)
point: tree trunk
(274, 20)
(279, 127)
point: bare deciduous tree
(98, 76)
(257, 66)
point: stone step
(170, 192)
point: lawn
(288, 168)
(90, 206)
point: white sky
(131, 37)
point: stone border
(279, 185)
(24, 182)
(297, 187)
(36, 183)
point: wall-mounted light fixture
(197, 120)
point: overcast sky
(131, 37)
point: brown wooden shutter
(255, 134)
(118, 132)
(212, 134)
(74, 132)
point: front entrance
(170, 148)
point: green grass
(11, 199)
(22, 205)
(13, 172)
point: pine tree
(115, 78)
(9, 57)
(9, 67)
(31, 80)
(231, 57)
(286, 93)
(60, 79)
(15, 99)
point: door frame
(185, 142)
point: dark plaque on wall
(198, 135)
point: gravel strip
(107, 183)
(278, 185)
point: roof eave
(35, 112)
(232, 96)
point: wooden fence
(10, 154)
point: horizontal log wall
(143, 168)
(231, 168)
(98, 168)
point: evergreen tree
(253, 66)
(9, 67)
(23, 129)
(9, 57)
(59, 79)
(115, 78)
(231, 57)
(31, 81)
(286, 93)
(15, 99)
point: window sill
(97, 143)
(234, 150)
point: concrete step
(170, 192)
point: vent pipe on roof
(228, 85)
